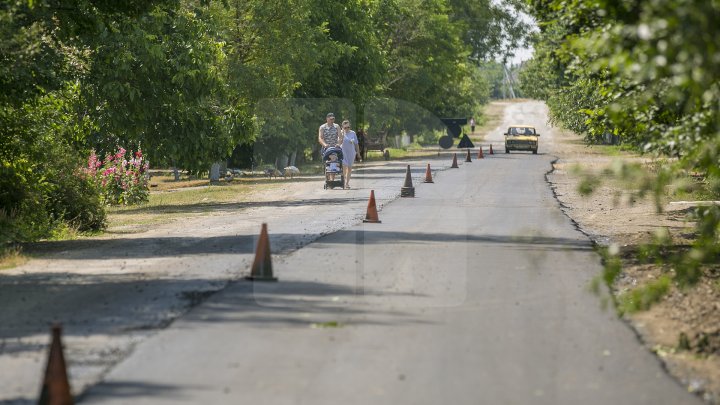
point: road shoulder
(609, 217)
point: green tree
(159, 82)
(188, 81)
(271, 54)
(646, 72)
(351, 63)
(490, 28)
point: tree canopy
(188, 81)
(646, 72)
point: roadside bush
(122, 181)
(595, 76)
(48, 199)
(429, 137)
(42, 192)
(7, 230)
(77, 202)
(713, 187)
(30, 221)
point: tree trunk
(316, 155)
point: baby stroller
(332, 164)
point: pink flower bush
(123, 181)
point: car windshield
(521, 131)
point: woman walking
(349, 145)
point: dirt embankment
(683, 329)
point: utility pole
(509, 81)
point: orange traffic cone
(467, 158)
(56, 388)
(480, 153)
(372, 215)
(491, 151)
(454, 163)
(407, 190)
(428, 175)
(262, 265)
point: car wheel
(507, 150)
(534, 151)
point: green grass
(489, 118)
(615, 150)
(638, 299)
(65, 232)
(696, 189)
(401, 153)
(642, 298)
(323, 325)
(311, 169)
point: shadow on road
(170, 246)
(379, 237)
(295, 303)
(130, 389)
(238, 244)
(233, 206)
(18, 401)
(117, 304)
(377, 173)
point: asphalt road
(113, 291)
(475, 291)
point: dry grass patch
(12, 257)
(172, 204)
(492, 115)
(400, 154)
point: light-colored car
(521, 137)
